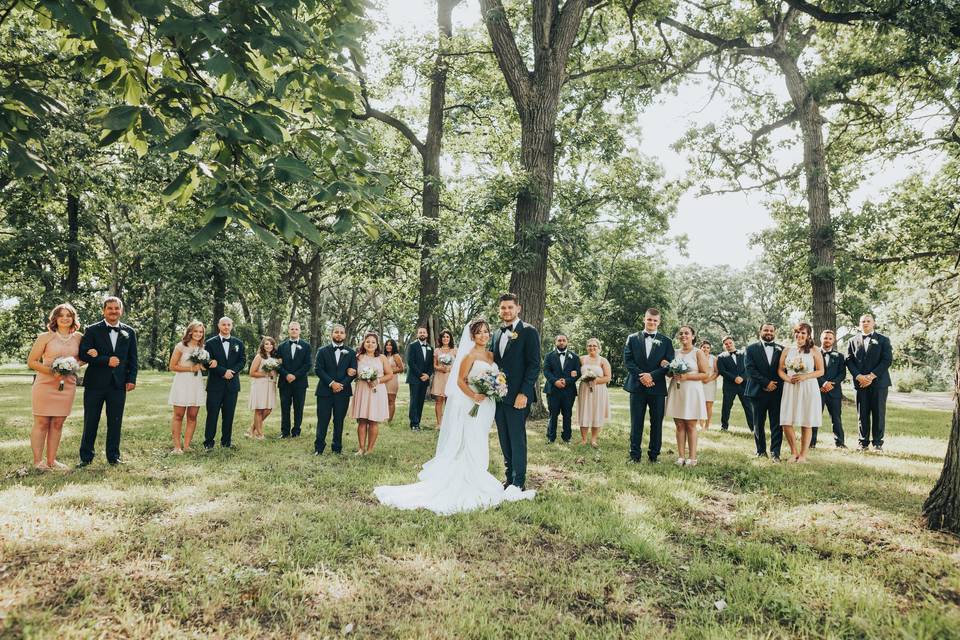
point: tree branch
(738, 44)
(505, 49)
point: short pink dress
(439, 386)
(263, 391)
(369, 403)
(46, 397)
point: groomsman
(730, 366)
(419, 370)
(831, 397)
(764, 390)
(869, 356)
(646, 356)
(336, 367)
(223, 384)
(561, 368)
(111, 374)
(295, 361)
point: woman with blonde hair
(187, 392)
(593, 399)
(54, 352)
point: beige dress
(46, 397)
(685, 398)
(369, 403)
(710, 388)
(439, 386)
(263, 391)
(393, 384)
(187, 389)
(593, 400)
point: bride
(457, 479)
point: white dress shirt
(768, 349)
(505, 337)
(113, 334)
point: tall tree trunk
(822, 266)
(313, 299)
(155, 325)
(942, 507)
(429, 303)
(219, 293)
(71, 284)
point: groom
(644, 355)
(516, 350)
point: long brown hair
(262, 349)
(52, 319)
(803, 326)
(190, 327)
(445, 332)
(362, 350)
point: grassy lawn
(268, 541)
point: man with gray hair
(223, 383)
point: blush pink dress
(369, 403)
(46, 397)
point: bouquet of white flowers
(201, 357)
(491, 383)
(65, 366)
(678, 367)
(368, 374)
(589, 373)
(446, 359)
(270, 365)
(795, 365)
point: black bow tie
(768, 344)
(868, 336)
(338, 347)
(114, 329)
(649, 335)
(506, 327)
(297, 342)
(562, 352)
(225, 340)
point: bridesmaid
(800, 405)
(51, 405)
(263, 388)
(445, 348)
(187, 393)
(370, 396)
(392, 352)
(685, 402)
(593, 400)
(709, 384)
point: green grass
(268, 541)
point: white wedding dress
(457, 479)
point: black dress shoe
(116, 462)
(724, 429)
(82, 464)
(775, 458)
(761, 455)
(633, 460)
(653, 460)
(207, 449)
(317, 453)
(295, 435)
(284, 436)
(841, 446)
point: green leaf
(179, 184)
(263, 128)
(180, 141)
(149, 8)
(109, 137)
(307, 227)
(265, 236)
(25, 163)
(120, 118)
(208, 232)
(344, 221)
(290, 169)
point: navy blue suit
(222, 393)
(293, 393)
(766, 404)
(329, 403)
(731, 366)
(560, 401)
(871, 400)
(638, 362)
(835, 371)
(104, 384)
(417, 365)
(520, 362)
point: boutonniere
(514, 335)
(656, 342)
(124, 333)
(236, 347)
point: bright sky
(713, 224)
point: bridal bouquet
(491, 383)
(678, 367)
(201, 357)
(65, 366)
(795, 365)
(589, 373)
(368, 374)
(446, 359)
(270, 365)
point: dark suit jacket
(235, 361)
(416, 364)
(834, 372)
(299, 365)
(876, 360)
(329, 370)
(552, 371)
(520, 362)
(637, 362)
(730, 371)
(759, 372)
(100, 375)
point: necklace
(62, 339)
